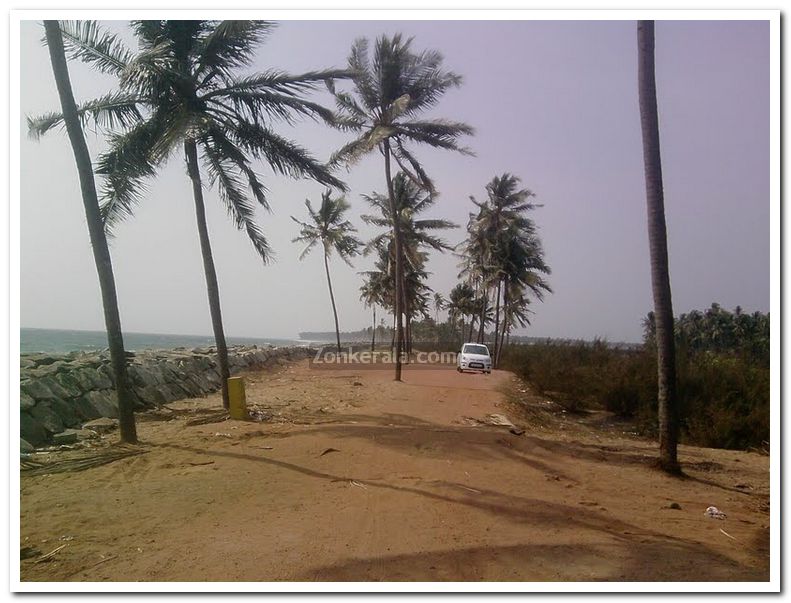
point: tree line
(182, 94)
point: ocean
(58, 341)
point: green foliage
(723, 394)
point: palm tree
(180, 91)
(504, 252)
(390, 91)
(416, 234)
(374, 292)
(328, 227)
(657, 237)
(101, 251)
(439, 304)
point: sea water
(58, 341)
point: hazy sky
(552, 102)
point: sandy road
(355, 477)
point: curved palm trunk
(399, 265)
(212, 288)
(101, 251)
(332, 299)
(657, 237)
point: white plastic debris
(714, 513)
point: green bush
(723, 398)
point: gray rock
(91, 378)
(65, 410)
(102, 425)
(68, 436)
(47, 417)
(84, 409)
(105, 402)
(25, 401)
(69, 384)
(36, 389)
(31, 430)
(150, 395)
(25, 446)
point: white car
(474, 357)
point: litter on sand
(714, 513)
(358, 484)
(728, 535)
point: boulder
(84, 409)
(101, 425)
(150, 395)
(105, 402)
(36, 389)
(66, 411)
(89, 379)
(68, 436)
(25, 447)
(47, 417)
(69, 384)
(25, 401)
(31, 430)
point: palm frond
(284, 156)
(117, 110)
(224, 172)
(231, 44)
(87, 42)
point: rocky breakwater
(61, 392)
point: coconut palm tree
(181, 93)
(373, 292)
(503, 251)
(101, 251)
(657, 237)
(391, 90)
(329, 227)
(416, 235)
(439, 304)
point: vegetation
(391, 90)
(329, 227)
(723, 377)
(181, 90)
(703, 378)
(504, 259)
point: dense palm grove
(182, 94)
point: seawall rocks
(59, 392)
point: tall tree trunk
(472, 327)
(657, 237)
(482, 324)
(496, 315)
(373, 331)
(505, 323)
(332, 299)
(399, 264)
(212, 288)
(393, 334)
(101, 251)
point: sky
(553, 102)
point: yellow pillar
(238, 404)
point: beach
(349, 476)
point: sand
(355, 477)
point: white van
(474, 357)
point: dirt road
(355, 477)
